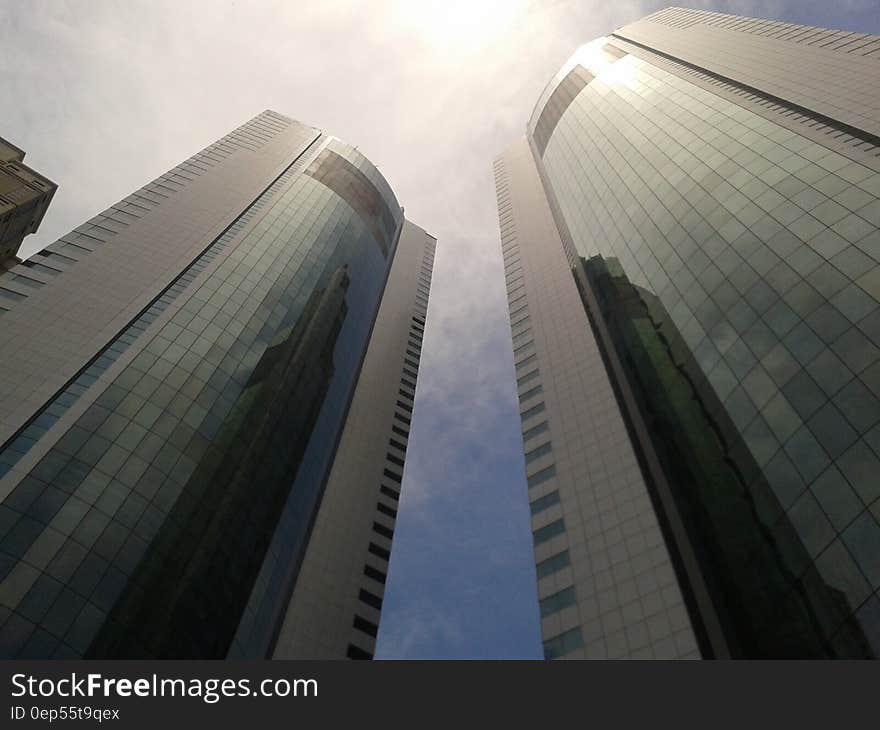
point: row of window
(423, 289)
(523, 341)
(133, 488)
(789, 116)
(98, 230)
(536, 442)
(755, 245)
(56, 407)
(845, 41)
(395, 460)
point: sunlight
(602, 65)
(459, 26)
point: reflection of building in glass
(182, 381)
(24, 197)
(701, 398)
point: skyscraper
(691, 241)
(24, 198)
(187, 379)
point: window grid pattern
(862, 44)
(101, 229)
(764, 248)
(817, 69)
(525, 360)
(821, 129)
(88, 526)
(17, 446)
(386, 508)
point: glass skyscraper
(691, 241)
(188, 380)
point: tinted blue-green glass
(752, 255)
(175, 510)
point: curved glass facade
(735, 266)
(175, 509)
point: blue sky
(108, 95)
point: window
(400, 431)
(385, 510)
(522, 336)
(49, 271)
(563, 644)
(516, 276)
(370, 599)
(73, 248)
(368, 627)
(553, 564)
(523, 348)
(11, 296)
(539, 477)
(56, 257)
(548, 532)
(379, 551)
(613, 51)
(557, 601)
(531, 393)
(538, 452)
(26, 281)
(533, 411)
(527, 361)
(376, 575)
(383, 531)
(389, 492)
(545, 502)
(355, 652)
(520, 324)
(527, 377)
(535, 430)
(393, 476)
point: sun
(456, 26)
